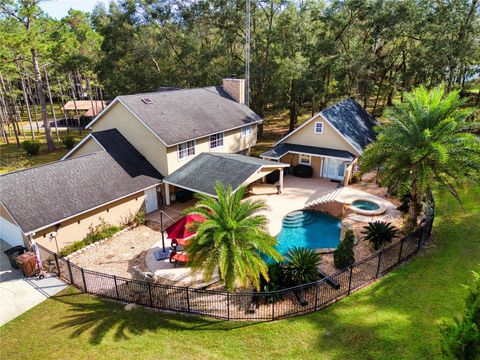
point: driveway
(18, 294)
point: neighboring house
(119, 167)
(330, 142)
(86, 110)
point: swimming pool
(310, 229)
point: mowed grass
(398, 317)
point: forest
(306, 53)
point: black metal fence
(257, 306)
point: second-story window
(319, 127)
(216, 140)
(246, 130)
(186, 149)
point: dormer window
(246, 130)
(319, 127)
(216, 140)
(186, 150)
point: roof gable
(176, 116)
(349, 120)
(74, 186)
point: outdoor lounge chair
(176, 257)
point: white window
(185, 150)
(246, 130)
(319, 127)
(216, 140)
(305, 159)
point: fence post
(350, 279)
(55, 256)
(188, 299)
(379, 261)
(83, 278)
(150, 294)
(273, 308)
(70, 272)
(228, 305)
(116, 286)
(316, 295)
(400, 252)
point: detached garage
(68, 196)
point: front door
(151, 200)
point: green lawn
(396, 318)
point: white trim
(360, 151)
(89, 136)
(328, 122)
(91, 209)
(179, 159)
(309, 159)
(189, 189)
(210, 141)
(311, 154)
(315, 128)
(103, 112)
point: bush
(99, 232)
(343, 255)
(31, 147)
(301, 265)
(69, 142)
(462, 339)
(136, 219)
(380, 233)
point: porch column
(167, 194)
(281, 180)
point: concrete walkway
(18, 294)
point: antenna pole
(247, 56)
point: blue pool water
(310, 229)
(365, 205)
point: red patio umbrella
(181, 230)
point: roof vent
(147, 101)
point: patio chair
(176, 257)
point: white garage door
(10, 233)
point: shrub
(461, 340)
(99, 232)
(343, 255)
(380, 233)
(69, 142)
(301, 265)
(31, 147)
(136, 219)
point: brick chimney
(235, 88)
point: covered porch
(326, 163)
(202, 173)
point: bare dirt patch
(120, 253)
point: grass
(398, 317)
(13, 158)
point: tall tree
(426, 143)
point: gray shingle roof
(177, 116)
(47, 194)
(201, 173)
(282, 149)
(352, 121)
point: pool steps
(297, 219)
(325, 198)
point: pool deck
(298, 194)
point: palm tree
(301, 265)
(426, 142)
(233, 238)
(380, 233)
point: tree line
(308, 52)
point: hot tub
(367, 207)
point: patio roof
(281, 149)
(201, 173)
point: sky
(59, 8)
